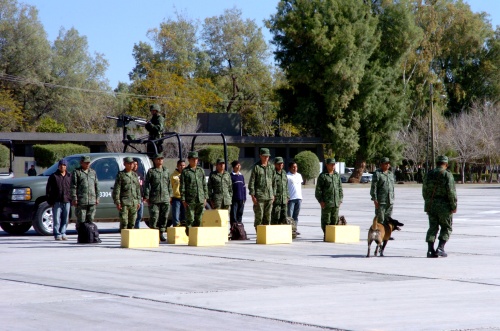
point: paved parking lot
(307, 285)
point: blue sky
(113, 27)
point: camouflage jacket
(281, 185)
(157, 186)
(156, 126)
(329, 189)
(84, 187)
(382, 189)
(127, 190)
(261, 184)
(220, 187)
(193, 185)
(439, 192)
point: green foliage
(211, 153)
(4, 156)
(308, 164)
(48, 124)
(47, 155)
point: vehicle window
(106, 168)
(73, 163)
(141, 169)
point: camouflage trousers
(278, 215)
(158, 214)
(84, 213)
(194, 212)
(329, 216)
(382, 212)
(445, 221)
(128, 215)
(262, 210)
(218, 204)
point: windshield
(73, 163)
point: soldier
(194, 191)
(140, 178)
(281, 195)
(127, 194)
(178, 212)
(84, 191)
(329, 194)
(382, 190)
(157, 193)
(440, 204)
(155, 127)
(261, 188)
(220, 187)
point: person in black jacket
(58, 193)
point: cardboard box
(215, 217)
(342, 234)
(177, 235)
(207, 236)
(140, 238)
(274, 234)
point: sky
(112, 27)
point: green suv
(23, 202)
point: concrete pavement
(307, 285)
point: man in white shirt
(295, 191)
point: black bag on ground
(87, 233)
(238, 232)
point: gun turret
(128, 121)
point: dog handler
(329, 195)
(440, 204)
(382, 190)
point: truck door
(106, 169)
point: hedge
(211, 153)
(47, 155)
(4, 156)
(308, 164)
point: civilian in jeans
(58, 191)
(239, 194)
(178, 211)
(295, 190)
(140, 211)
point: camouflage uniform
(194, 192)
(155, 127)
(329, 190)
(281, 197)
(440, 201)
(157, 190)
(220, 189)
(127, 193)
(85, 191)
(262, 186)
(382, 191)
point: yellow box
(342, 234)
(207, 236)
(140, 238)
(215, 217)
(177, 235)
(274, 234)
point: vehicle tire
(15, 228)
(43, 220)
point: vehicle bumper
(18, 211)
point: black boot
(430, 250)
(440, 250)
(162, 236)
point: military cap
(385, 160)
(63, 162)
(278, 159)
(265, 152)
(330, 161)
(442, 158)
(193, 155)
(219, 160)
(154, 107)
(128, 159)
(158, 156)
(85, 158)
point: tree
(308, 164)
(11, 116)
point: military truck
(23, 202)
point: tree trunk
(359, 168)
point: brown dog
(381, 234)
